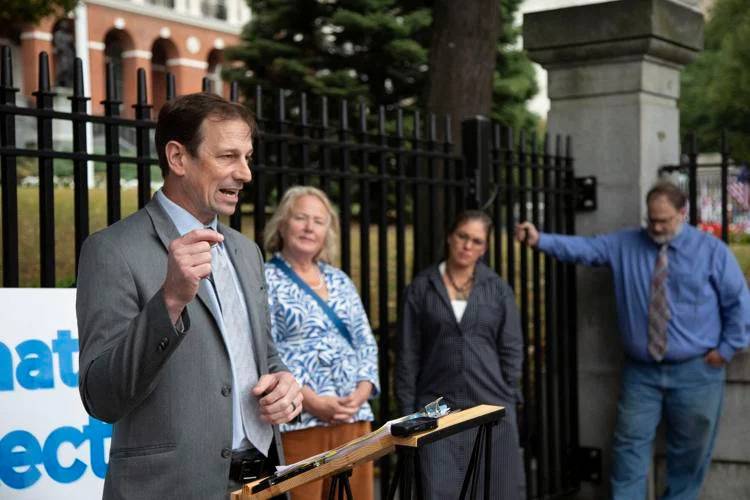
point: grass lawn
(742, 252)
(64, 240)
(28, 230)
(29, 261)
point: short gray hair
(676, 196)
(272, 240)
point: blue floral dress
(311, 346)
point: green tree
(463, 58)
(514, 81)
(379, 50)
(370, 49)
(455, 58)
(716, 86)
(476, 65)
(31, 11)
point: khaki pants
(299, 445)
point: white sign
(49, 446)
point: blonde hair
(272, 240)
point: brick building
(184, 37)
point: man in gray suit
(175, 346)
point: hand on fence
(189, 261)
(527, 233)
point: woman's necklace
(321, 282)
(462, 292)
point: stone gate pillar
(613, 82)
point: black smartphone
(409, 427)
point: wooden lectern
(380, 443)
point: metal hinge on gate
(589, 464)
(585, 193)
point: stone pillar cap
(663, 29)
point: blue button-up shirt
(707, 292)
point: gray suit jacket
(167, 393)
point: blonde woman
(322, 333)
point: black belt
(247, 465)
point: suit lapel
(481, 272)
(251, 286)
(437, 283)
(167, 232)
(436, 280)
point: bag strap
(335, 319)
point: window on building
(162, 51)
(221, 9)
(215, 60)
(163, 3)
(214, 8)
(64, 52)
(113, 55)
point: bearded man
(683, 308)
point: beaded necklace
(462, 292)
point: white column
(194, 7)
(181, 6)
(245, 13)
(233, 11)
(82, 51)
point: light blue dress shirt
(185, 222)
(707, 292)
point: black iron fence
(718, 188)
(386, 172)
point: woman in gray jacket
(460, 338)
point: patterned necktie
(238, 339)
(658, 308)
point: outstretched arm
(587, 250)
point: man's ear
(176, 155)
